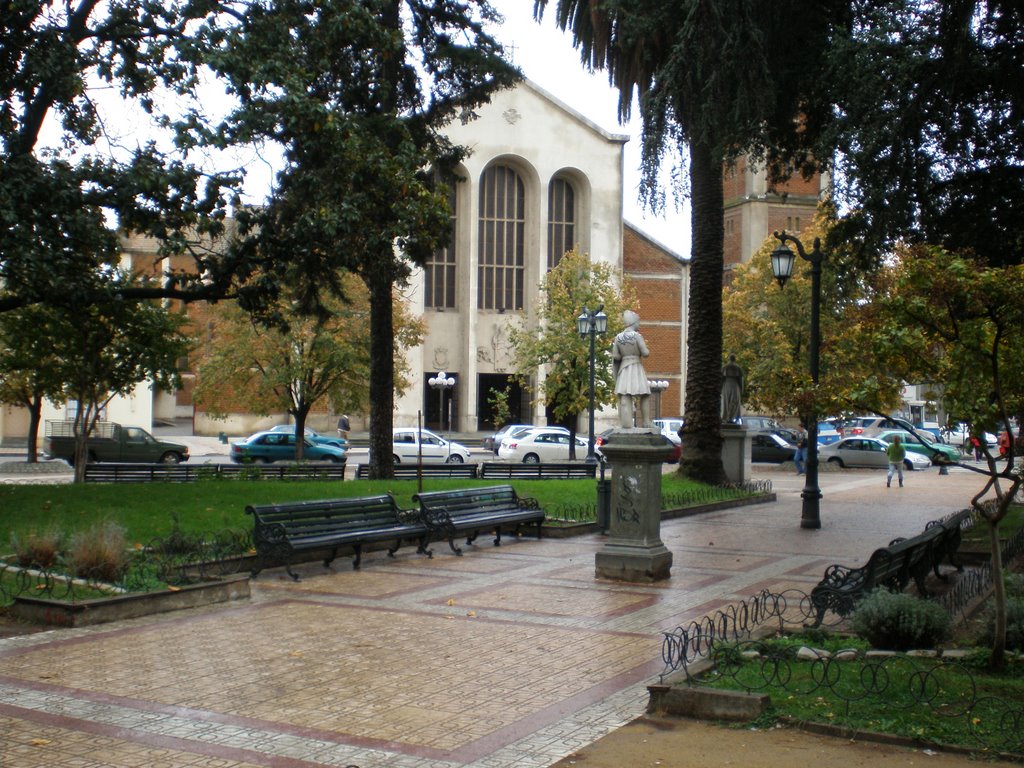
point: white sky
(546, 56)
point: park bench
(282, 530)
(411, 472)
(471, 510)
(541, 471)
(103, 472)
(892, 567)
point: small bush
(37, 550)
(899, 622)
(1014, 626)
(99, 553)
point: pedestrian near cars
(895, 453)
(343, 426)
(800, 457)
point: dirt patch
(681, 743)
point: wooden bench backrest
(469, 500)
(309, 518)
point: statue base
(634, 551)
(736, 452)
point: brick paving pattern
(510, 656)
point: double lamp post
(782, 267)
(592, 324)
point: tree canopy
(713, 79)
(926, 133)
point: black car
(767, 446)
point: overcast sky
(546, 56)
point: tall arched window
(501, 270)
(561, 220)
(439, 270)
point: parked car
(872, 425)
(409, 443)
(866, 452)
(311, 434)
(767, 446)
(827, 433)
(112, 442)
(280, 446)
(493, 442)
(924, 447)
(669, 428)
(540, 444)
(960, 436)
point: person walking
(896, 453)
(343, 427)
(800, 457)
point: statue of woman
(732, 391)
(630, 377)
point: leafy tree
(551, 342)
(768, 330)
(717, 80)
(927, 137)
(65, 179)
(355, 95)
(106, 350)
(947, 318)
(295, 367)
(29, 366)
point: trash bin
(604, 504)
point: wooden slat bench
(472, 510)
(892, 567)
(409, 471)
(104, 472)
(566, 470)
(281, 530)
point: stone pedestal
(634, 551)
(736, 452)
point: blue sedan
(311, 434)
(280, 446)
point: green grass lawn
(147, 510)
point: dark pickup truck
(112, 442)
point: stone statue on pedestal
(631, 386)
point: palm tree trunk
(701, 457)
(382, 372)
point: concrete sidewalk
(510, 656)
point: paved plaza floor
(510, 656)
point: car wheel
(454, 459)
(531, 458)
(836, 460)
(395, 460)
(908, 465)
(171, 458)
(337, 459)
(259, 460)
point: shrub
(37, 550)
(899, 622)
(1014, 625)
(99, 553)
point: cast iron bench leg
(329, 560)
(358, 549)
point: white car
(960, 436)
(409, 443)
(540, 444)
(669, 428)
(866, 452)
(493, 442)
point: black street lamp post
(592, 323)
(782, 267)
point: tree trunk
(300, 414)
(997, 661)
(701, 457)
(35, 411)
(382, 371)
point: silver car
(409, 443)
(866, 452)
